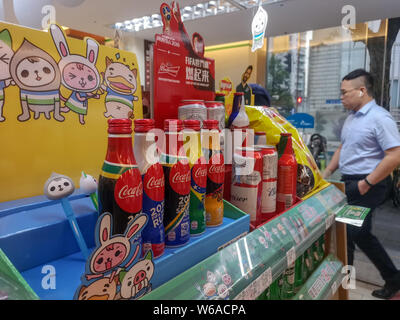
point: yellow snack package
(309, 178)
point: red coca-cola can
(269, 181)
(247, 182)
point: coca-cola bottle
(120, 184)
(215, 173)
(287, 174)
(177, 185)
(198, 168)
(147, 157)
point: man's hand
(363, 187)
(326, 174)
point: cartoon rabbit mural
(114, 271)
(120, 84)
(78, 73)
(36, 73)
(6, 52)
(115, 252)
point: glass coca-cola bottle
(120, 184)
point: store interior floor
(386, 227)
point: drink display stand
(38, 235)
(247, 267)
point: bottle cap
(239, 93)
(211, 124)
(173, 125)
(143, 125)
(220, 94)
(192, 124)
(286, 134)
(120, 126)
(213, 104)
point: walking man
(368, 153)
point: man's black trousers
(362, 236)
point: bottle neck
(145, 149)
(192, 145)
(119, 149)
(174, 144)
(285, 146)
(211, 139)
(237, 102)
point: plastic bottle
(287, 174)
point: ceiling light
(200, 10)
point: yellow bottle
(214, 204)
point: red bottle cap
(143, 125)
(192, 124)
(120, 126)
(239, 93)
(211, 124)
(173, 125)
(213, 104)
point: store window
(304, 72)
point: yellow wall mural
(56, 94)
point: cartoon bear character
(120, 84)
(101, 289)
(6, 53)
(58, 186)
(136, 282)
(78, 74)
(37, 74)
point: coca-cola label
(216, 168)
(153, 183)
(128, 191)
(199, 175)
(179, 178)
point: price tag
(329, 221)
(291, 257)
(267, 277)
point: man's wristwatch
(368, 183)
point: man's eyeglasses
(344, 92)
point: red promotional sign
(180, 70)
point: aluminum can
(247, 182)
(192, 109)
(269, 181)
(216, 111)
(260, 138)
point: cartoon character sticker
(120, 84)
(258, 27)
(78, 73)
(136, 282)
(101, 289)
(216, 286)
(6, 53)
(37, 74)
(114, 270)
(58, 186)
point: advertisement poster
(180, 70)
(56, 95)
